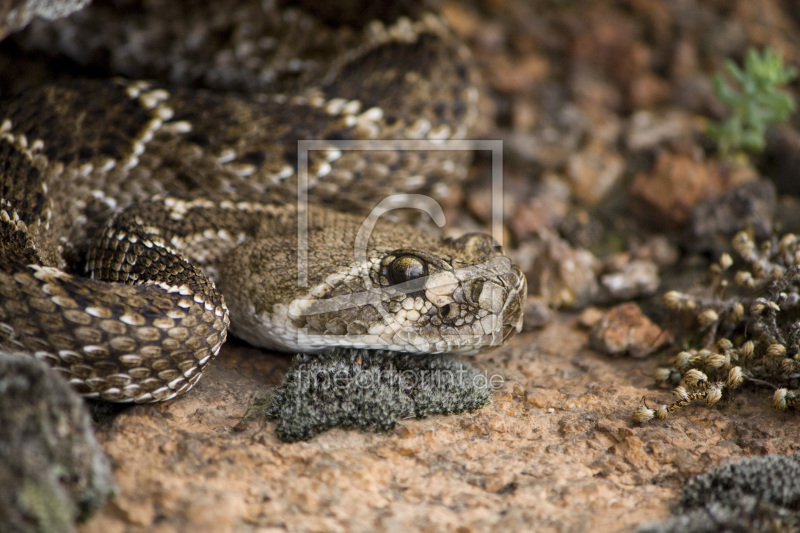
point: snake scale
(139, 220)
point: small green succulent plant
(755, 101)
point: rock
(16, 14)
(545, 210)
(595, 92)
(624, 329)
(635, 279)
(583, 230)
(659, 249)
(666, 195)
(556, 134)
(525, 255)
(715, 221)
(594, 172)
(537, 313)
(590, 316)
(563, 276)
(649, 90)
(783, 153)
(464, 22)
(514, 77)
(52, 470)
(647, 130)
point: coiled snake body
(138, 222)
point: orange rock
(665, 195)
(624, 329)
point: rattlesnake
(186, 199)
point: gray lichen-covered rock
(16, 14)
(371, 391)
(714, 222)
(52, 471)
(755, 494)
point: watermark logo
(402, 381)
(372, 295)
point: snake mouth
(421, 307)
(517, 286)
(508, 332)
(510, 317)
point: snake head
(461, 303)
(429, 295)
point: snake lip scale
(140, 221)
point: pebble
(715, 221)
(563, 276)
(665, 195)
(636, 279)
(625, 329)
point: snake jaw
(513, 309)
(462, 309)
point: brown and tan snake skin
(140, 220)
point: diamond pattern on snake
(141, 220)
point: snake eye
(406, 268)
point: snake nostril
(475, 291)
(450, 311)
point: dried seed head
(737, 312)
(694, 377)
(735, 377)
(787, 243)
(713, 395)
(789, 366)
(662, 412)
(682, 361)
(776, 350)
(643, 414)
(680, 393)
(761, 304)
(760, 269)
(672, 300)
(748, 349)
(707, 317)
(744, 279)
(743, 245)
(724, 344)
(662, 374)
(725, 261)
(779, 399)
(715, 360)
